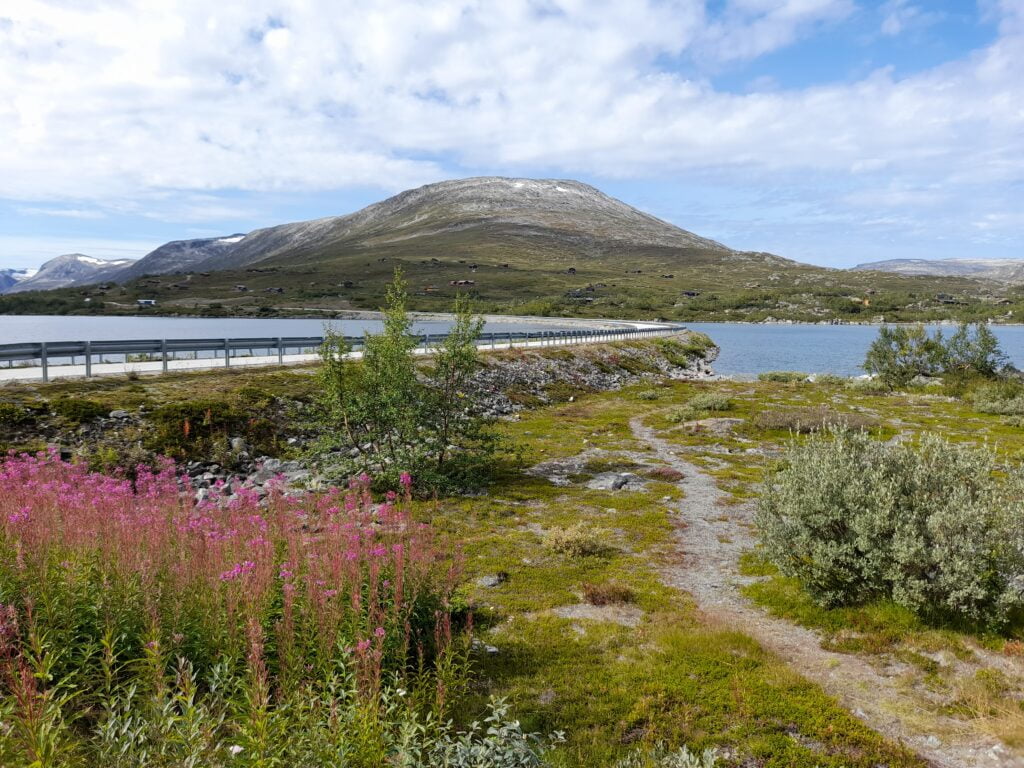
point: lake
(840, 349)
(746, 349)
(19, 328)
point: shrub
(648, 394)
(200, 429)
(12, 415)
(900, 354)
(811, 419)
(869, 386)
(932, 528)
(1005, 398)
(579, 540)
(697, 405)
(608, 594)
(710, 401)
(973, 350)
(787, 377)
(75, 410)
(662, 757)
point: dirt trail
(712, 536)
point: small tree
(382, 416)
(974, 353)
(901, 353)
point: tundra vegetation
(584, 654)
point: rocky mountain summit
(69, 269)
(179, 256)
(573, 212)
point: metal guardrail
(49, 353)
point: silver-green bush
(934, 527)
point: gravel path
(712, 535)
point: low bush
(786, 377)
(76, 410)
(808, 419)
(579, 540)
(12, 415)
(867, 385)
(1005, 398)
(700, 404)
(648, 394)
(681, 353)
(662, 757)
(710, 401)
(933, 528)
(608, 594)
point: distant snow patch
(237, 239)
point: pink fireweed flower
(362, 646)
(406, 480)
(379, 632)
(244, 567)
(20, 516)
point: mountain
(69, 269)
(576, 214)
(579, 215)
(179, 256)
(525, 246)
(1001, 270)
(11, 277)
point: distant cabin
(146, 302)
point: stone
(492, 580)
(615, 481)
(238, 444)
(119, 414)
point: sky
(829, 131)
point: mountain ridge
(1000, 270)
(69, 269)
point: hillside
(524, 246)
(1002, 270)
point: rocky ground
(507, 382)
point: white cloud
(109, 102)
(900, 15)
(61, 213)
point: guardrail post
(227, 354)
(88, 359)
(163, 355)
(44, 361)
(280, 352)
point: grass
(674, 675)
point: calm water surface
(839, 349)
(18, 328)
(746, 349)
